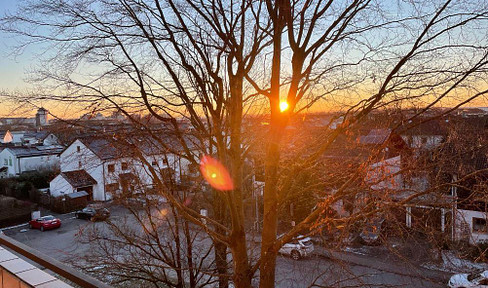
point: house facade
(20, 159)
(43, 137)
(113, 168)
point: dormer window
(78, 149)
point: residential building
(20, 159)
(105, 167)
(12, 137)
(42, 137)
(424, 135)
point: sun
(283, 106)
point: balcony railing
(15, 272)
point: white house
(20, 159)
(113, 167)
(72, 182)
(424, 135)
(42, 137)
(15, 137)
(471, 225)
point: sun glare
(283, 106)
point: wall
(423, 141)
(27, 163)
(39, 162)
(69, 161)
(59, 186)
(464, 226)
(11, 162)
(51, 139)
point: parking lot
(63, 245)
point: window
(479, 224)
(78, 149)
(79, 164)
(5, 162)
(154, 163)
(124, 166)
(165, 161)
(111, 168)
(10, 162)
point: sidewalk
(390, 266)
(378, 262)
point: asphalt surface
(324, 268)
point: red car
(45, 223)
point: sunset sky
(14, 70)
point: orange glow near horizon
(215, 174)
(284, 106)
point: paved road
(338, 269)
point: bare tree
(211, 62)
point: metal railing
(54, 265)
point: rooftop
(23, 151)
(78, 178)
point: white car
(478, 279)
(298, 247)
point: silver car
(464, 280)
(298, 247)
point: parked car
(93, 214)
(45, 223)
(298, 247)
(477, 279)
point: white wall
(59, 186)
(11, 162)
(98, 169)
(70, 159)
(39, 162)
(51, 139)
(464, 226)
(20, 165)
(423, 141)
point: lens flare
(215, 173)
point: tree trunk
(278, 122)
(270, 215)
(220, 249)
(242, 275)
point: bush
(27, 184)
